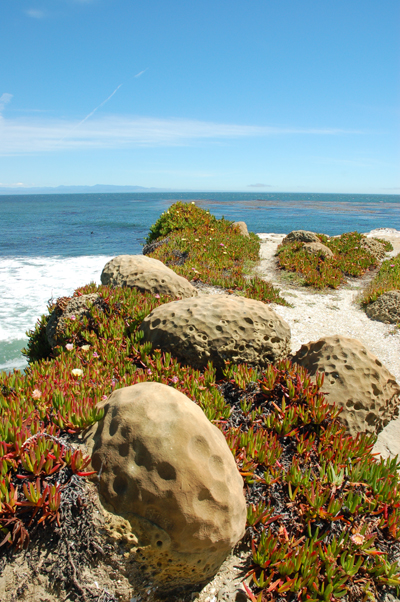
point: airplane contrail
(94, 110)
(100, 105)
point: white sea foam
(27, 284)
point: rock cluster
(218, 329)
(147, 275)
(168, 471)
(386, 308)
(355, 380)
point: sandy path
(315, 315)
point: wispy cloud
(140, 73)
(259, 186)
(4, 99)
(21, 136)
(35, 13)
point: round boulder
(300, 236)
(317, 248)
(170, 473)
(218, 328)
(66, 309)
(242, 227)
(147, 274)
(355, 380)
(386, 308)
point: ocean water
(51, 244)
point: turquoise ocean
(51, 244)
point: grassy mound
(323, 517)
(387, 279)
(350, 259)
(202, 248)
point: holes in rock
(249, 321)
(113, 427)
(159, 545)
(275, 340)
(123, 449)
(120, 484)
(204, 494)
(166, 471)
(219, 328)
(378, 363)
(375, 390)
(156, 322)
(370, 419)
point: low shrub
(387, 279)
(318, 271)
(202, 248)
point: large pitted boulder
(242, 226)
(317, 248)
(355, 380)
(66, 310)
(147, 275)
(386, 308)
(170, 473)
(373, 246)
(300, 236)
(218, 328)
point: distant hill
(79, 189)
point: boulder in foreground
(355, 380)
(386, 308)
(170, 473)
(146, 274)
(218, 328)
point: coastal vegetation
(213, 251)
(323, 514)
(387, 279)
(350, 258)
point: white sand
(315, 315)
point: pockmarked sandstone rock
(373, 246)
(317, 248)
(152, 246)
(75, 309)
(386, 308)
(242, 228)
(355, 380)
(218, 328)
(170, 473)
(147, 275)
(300, 236)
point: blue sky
(267, 95)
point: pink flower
(36, 394)
(175, 379)
(157, 296)
(95, 354)
(149, 371)
(221, 244)
(69, 346)
(392, 265)
(104, 398)
(72, 317)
